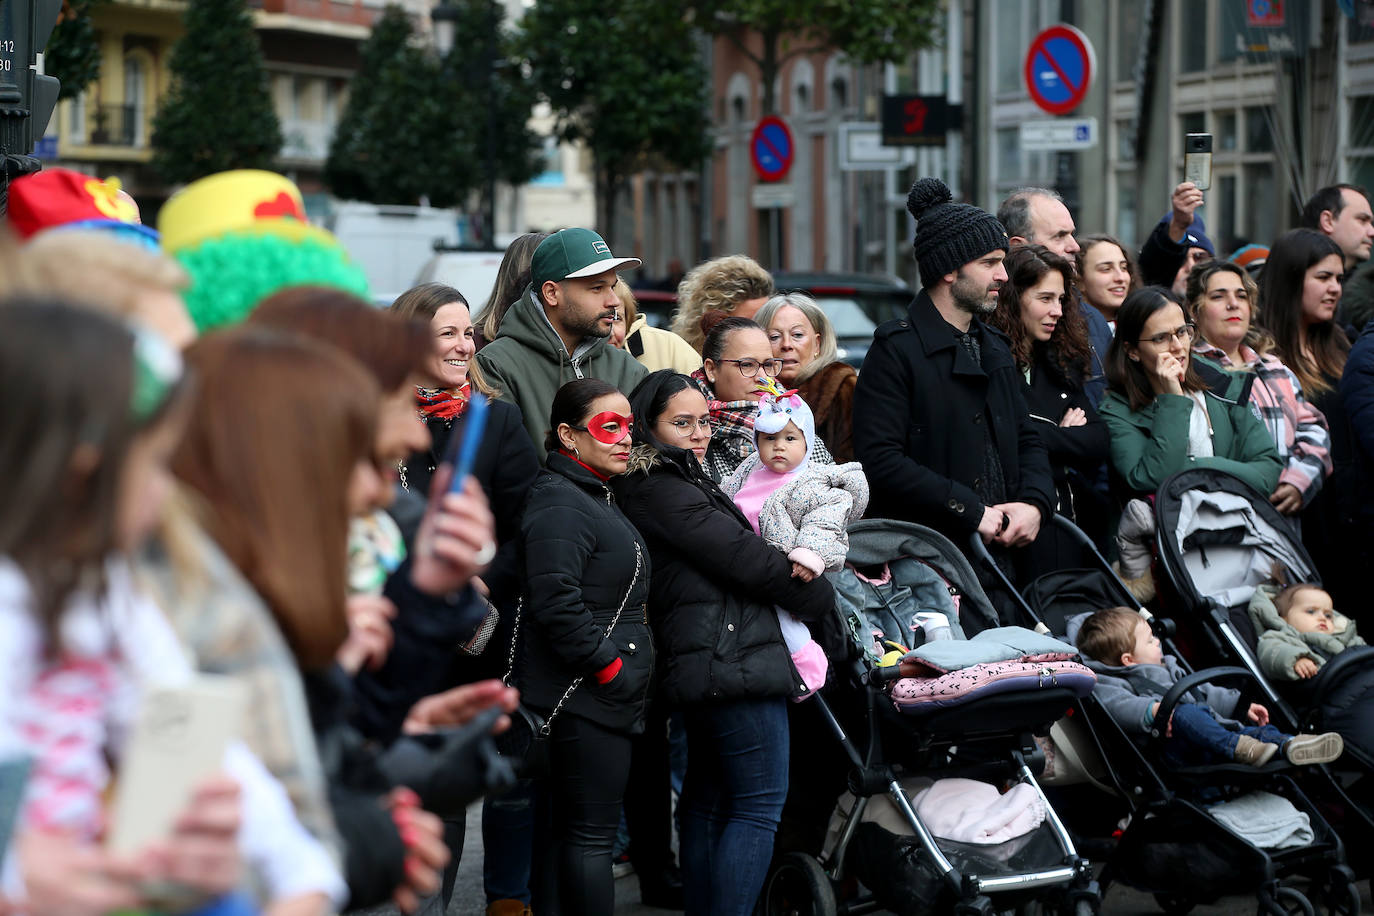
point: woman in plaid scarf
(1222, 298)
(737, 360)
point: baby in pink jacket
(799, 506)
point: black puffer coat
(578, 553)
(715, 585)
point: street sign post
(771, 149)
(1058, 134)
(1059, 69)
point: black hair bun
(926, 193)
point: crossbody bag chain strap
(515, 637)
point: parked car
(855, 304)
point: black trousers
(580, 802)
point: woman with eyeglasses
(1160, 415)
(737, 358)
(725, 663)
(585, 654)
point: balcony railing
(116, 125)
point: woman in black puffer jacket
(724, 660)
(586, 656)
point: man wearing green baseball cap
(557, 331)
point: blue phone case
(467, 439)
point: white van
(392, 243)
(472, 273)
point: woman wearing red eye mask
(585, 656)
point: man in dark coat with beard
(940, 423)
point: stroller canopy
(1221, 538)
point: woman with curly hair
(736, 285)
(1048, 337)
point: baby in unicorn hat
(797, 505)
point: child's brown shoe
(1311, 749)
(1254, 751)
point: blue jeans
(731, 803)
(507, 843)
(1198, 738)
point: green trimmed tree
(390, 145)
(491, 99)
(73, 53)
(626, 80)
(416, 127)
(867, 31)
(218, 114)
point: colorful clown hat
(242, 235)
(63, 199)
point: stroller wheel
(797, 886)
(1340, 893)
(1175, 904)
(1286, 901)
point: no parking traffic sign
(771, 148)
(1059, 68)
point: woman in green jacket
(1161, 417)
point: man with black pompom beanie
(940, 423)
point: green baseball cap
(574, 253)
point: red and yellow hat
(63, 199)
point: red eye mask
(622, 425)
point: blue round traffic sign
(771, 148)
(1059, 68)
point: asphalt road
(468, 899)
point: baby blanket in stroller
(1000, 660)
(1267, 820)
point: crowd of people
(219, 459)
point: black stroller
(908, 870)
(1218, 539)
(1172, 845)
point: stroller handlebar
(1186, 683)
(881, 677)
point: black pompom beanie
(949, 235)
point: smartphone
(466, 439)
(1197, 160)
(178, 741)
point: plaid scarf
(732, 430)
(442, 403)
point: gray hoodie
(1281, 645)
(1128, 691)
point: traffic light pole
(27, 98)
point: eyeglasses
(685, 426)
(1183, 334)
(749, 368)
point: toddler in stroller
(1299, 630)
(1133, 675)
(798, 506)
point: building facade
(1289, 102)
